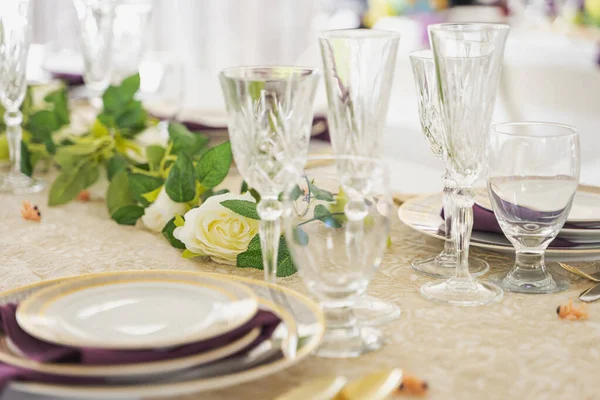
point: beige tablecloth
(517, 349)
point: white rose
(157, 214)
(216, 231)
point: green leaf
(178, 220)
(70, 182)
(211, 193)
(300, 237)
(59, 99)
(244, 187)
(151, 197)
(115, 164)
(155, 154)
(255, 89)
(127, 215)
(167, 232)
(141, 184)
(89, 173)
(113, 101)
(181, 182)
(42, 124)
(252, 257)
(320, 194)
(118, 194)
(185, 141)
(214, 165)
(244, 208)
(324, 215)
(190, 254)
(26, 165)
(130, 86)
(296, 193)
(131, 116)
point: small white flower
(157, 214)
(216, 231)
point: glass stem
(14, 135)
(529, 268)
(462, 226)
(270, 210)
(340, 317)
(448, 202)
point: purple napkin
(485, 221)
(69, 79)
(42, 351)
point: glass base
(443, 267)
(462, 293)
(542, 283)
(342, 343)
(370, 311)
(20, 184)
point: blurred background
(551, 71)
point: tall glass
(96, 18)
(337, 242)
(358, 68)
(270, 111)
(130, 30)
(442, 265)
(15, 16)
(468, 60)
(533, 173)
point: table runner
(518, 348)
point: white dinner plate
(423, 214)
(304, 313)
(148, 311)
(585, 208)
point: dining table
(517, 348)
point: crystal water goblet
(15, 17)
(468, 60)
(337, 243)
(96, 19)
(270, 111)
(442, 265)
(533, 173)
(358, 69)
(130, 29)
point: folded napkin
(41, 351)
(484, 220)
(69, 79)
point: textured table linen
(516, 349)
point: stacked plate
(151, 333)
(579, 240)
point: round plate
(423, 214)
(9, 354)
(305, 313)
(148, 311)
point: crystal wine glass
(468, 61)
(129, 33)
(270, 111)
(533, 173)
(442, 265)
(96, 18)
(358, 69)
(339, 242)
(14, 46)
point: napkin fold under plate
(42, 351)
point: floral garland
(171, 187)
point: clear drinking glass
(15, 16)
(442, 265)
(533, 173)
(270, 111)
(130, 30)
(96, 18)
(358, 68)
(468, 61)
(337, 241)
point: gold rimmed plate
(423, 214)
(305, 319)
(147, 311)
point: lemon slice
(316, 389)
(376, 386)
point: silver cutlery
(591, 294)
